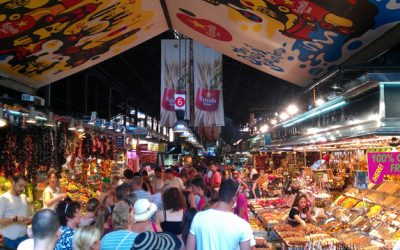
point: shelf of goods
(368, 219)
(299, 238)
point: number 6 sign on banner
(180, 101)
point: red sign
(180, 102)
(142, 147)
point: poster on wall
(44, 41)
(175, 78)
(295, 40)
(209, 103)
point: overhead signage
(180, 102)
(381, 164)
(295, 40)
(44, 41)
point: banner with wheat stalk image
(209, 106)
(175, 59)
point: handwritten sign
(381, 164)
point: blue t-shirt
(118, 240)
(65, 241)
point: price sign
(119, 142)
(180, 102)
(381, 164)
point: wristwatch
(15, 219)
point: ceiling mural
(42, 41)
(295, 40)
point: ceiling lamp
(274, 121)
(292, 109)
(3, 121)
(118, 130)
(283, 116)
(50, 122)
(71, 126)
(110, 126)
(264, 128)
(319, 102)
(180, 127)
(171, 135)
(80, 128)
(148, 136)
(93, 118)
(31, 117)
(185, 134)
(103, 124)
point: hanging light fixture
(93, 118)
(80, 128)
(148, 136)
(50, 122)
(71, 126)
(111, 125)
(118, 130)
(185, 134)
(3, 121)
(103, 124)
(31, 117)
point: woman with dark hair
(170, 218)
(89, 217)
(300, 212)
(69, 214)
(187, 222)
(52, 194)
(255, 188)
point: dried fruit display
(374, 211)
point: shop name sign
(381, 164)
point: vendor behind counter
(300, 213)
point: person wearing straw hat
(143, 211)
(155, 241)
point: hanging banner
(295, 40)
(209, 104)
(175, 77)
(43, 41)
(381, 164)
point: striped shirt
(118, 240)
(141, 194)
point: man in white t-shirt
(14, 213)
(219, 228)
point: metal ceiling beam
(379, 46)
(17, 86)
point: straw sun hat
(143, 210)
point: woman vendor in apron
(300, 212)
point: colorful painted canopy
(42, 41)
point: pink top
(201, 204)
(242, 203)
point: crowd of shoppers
(167, 208)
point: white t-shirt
(49, 194)
(253, 172)
(11, 206)
(218, 230)
(26, 245)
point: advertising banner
(44, 41)
(295, 40)
(381, 164)
(209, 103)
(175, 78)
